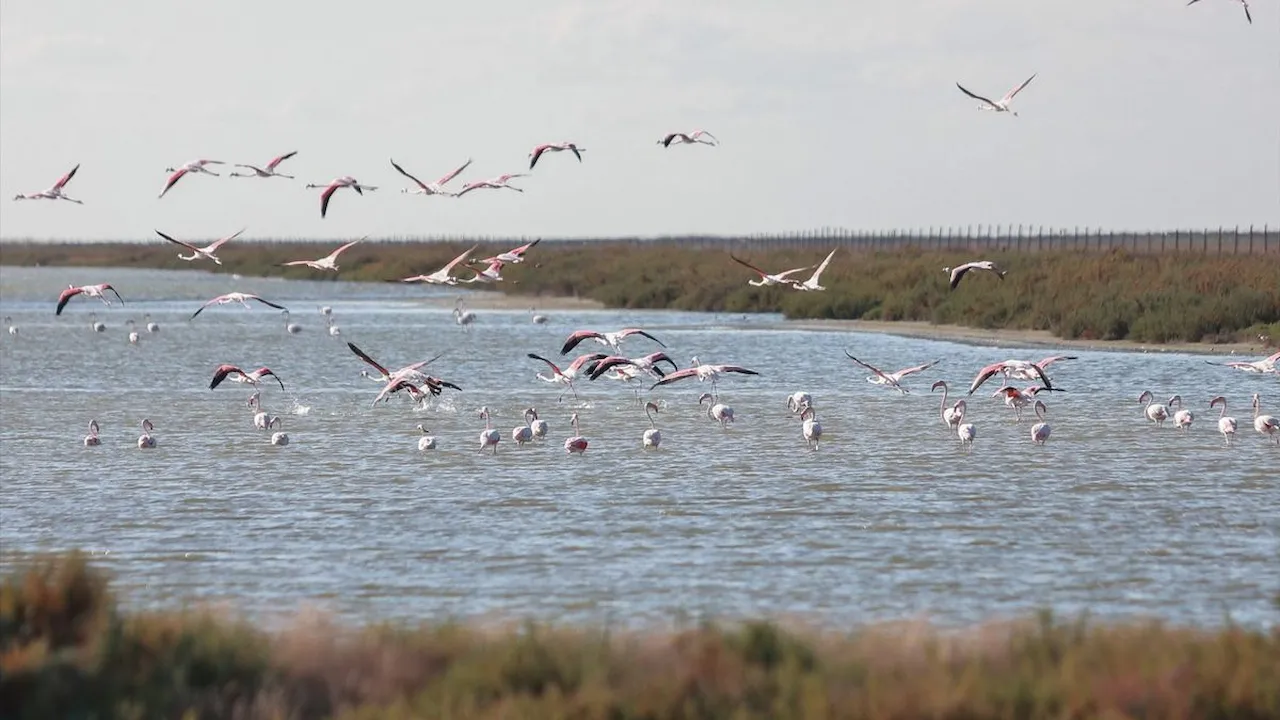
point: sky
(1144, 114)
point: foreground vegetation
(1149, 298)
(67, 650)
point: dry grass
(1112, 295)
(68, 651)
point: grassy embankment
(1074, 295)
(67, 650)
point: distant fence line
(1250, 240)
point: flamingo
(522, 434)
(489, 437)
(408, 372)
(1268, 425)
(95, 324)
(703, 373)
(195, 166)
(765, 278)
(280, 438)
(965, 431)
(55, 191)
(1040, 431)
(647, 364)
(514, 256)
(91, 440)
(398, 384)
(797, 400)
(491, 273)
(435, 188)
(1017, 399)
(498, 183)
(1019, 371)
(269, 171)
(444, 275)
(261, 420)
(537, 317)
(207, 251)
(991, 370)
(538, 150)
(538, 426)
(577, 443)
(145, 441)
(463, 317)
(235, 374)
(328, 262)
(810, 428)
(959, 271)
(334, 331)
(334, 185)
(717, 410)
(1226, 425)
(13, 329)
(580, 365)
(1264, 366)
(133, 332)
(692, 138)
(811, 285)
(1002, 105)
(894, 378)
(234, 297)
(652, 436)
(950, 415)
(1243, 3)
(427, 441)
(151, 326)
(88, 291)
(610, 339)
(1154, 411)
(292, 328)
(1183, 418)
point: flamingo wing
(221, 374)
(65, 297)
(604, 364)
(66, 178)
(324, 197)
(334, 255)
(213, 246)
(454, 262)
(266, 302)
(1009, 95)
(784, 274)
(554, 368)
(666, 141)
(918, 368)
(677, 375)
(277, 160)
(975, 97)
(263, 372)
(520, 251)
(876, 371)
(734, 369)
(189, 246)
(363, 356)
(740, 261)
(983, 375)
(454, 174)
(173, 179)
(637, 331)
(405, 173)
(106, 286)
(1051, 360)
(699, 133)
(577, 337)
(537, 153)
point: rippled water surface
(890, 518)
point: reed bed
(69, 650)
(1112, 295)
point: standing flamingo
(91, 440)
(577, 443)
(538, 426)
(522, 434)
(1226, 425)
(965, 431)
(717, 410)
(488, 437)
(652, 436)
(1268, 425)
(809, 427)
(1183, 418)
(1154, 411)
(950, 416)
(145, 441)
(1040, 431)
(8, 322)
(427, 441)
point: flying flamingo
(145, 441)
(1040, 431)
(328, 262)
(652, 436)
(269, 171)
(435, 188)
(717, 410)
(1243, 3)
(91, 440)
(1183, 418)
(538, 426)
(958, 272)
(1018, 399)
(398, 384)
(894, 378)
(1002, 105)
(809, 427)
(797, 400)
(88, 291)
(492, 273)
(647, 364)
(765, 278)
(692, 138)
(950, 415)
(443, 276)
(1265, 365)
(207, 251)
(489, 437)
(522, 434)
(235, 374)
(554, 147)
(514, 256)
(54, 192)
(991, 370)
(610, 339)
(408, 372)
(1226, 425)
(1020, 371)
(577, 443)
(1155, 412)
(498, 183)
(334, 185)
(703, 373)
(1268, 425)
(569, 374)
(427, 441)
(812, 283)
(233, 297)
(195, 166)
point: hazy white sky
(1145, 114)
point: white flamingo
(797, 400)
(98, 291)
(133, 332)
(91, 440)
(767, 279)
(463, 318)
(514, 256)
(292, 328)
(1001, 105)
(576, 444)
(810, 428)
(811, 285)
(502, 182)
(435, 188)
(151, 326)
(703, 373)
(610, 339)
(96, 324)
(538, 425)
(522, 434)
(1268, 425)
(145, 440)
(55, 191)
(1226, 424)
(958, 272)
(427, 441)
(965, 431)
(1009, 367)
(443, 276)
(645, 364)
(693, 138)
(1040, 431)
(652, 435)
(1154, 411)
(489, 437)
(1182, 418)
(1264, 366)
(570, 373)
(717, 410)
(491, 273)
(261, 419)
(195, 166)
(892, 379)
(235, 374)
(950, 415)
(279, 437)
(1021, 370)
(236, 297)
(13, 329)
(538, 150)
(206, 252)
(335, 185)
(328, 262)
(268, 171)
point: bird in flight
(1001, 105)
(202, 252)
(55, 192)
(195, 166)
(959, 271)
(692, 138)
(435, 188)
(554, 147)
(1243, 3)
(328, 262)
(269, 171)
